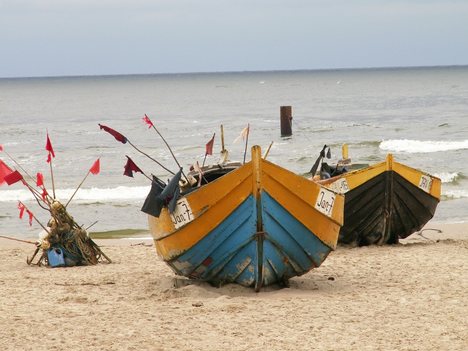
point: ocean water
(418, 114)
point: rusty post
(286, 120)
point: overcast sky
(94, 37)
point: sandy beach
(412, 296)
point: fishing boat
(384, 202)
(256, 224)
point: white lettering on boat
(425, 183)
(325, 201)
(340, 186)
(182, 213)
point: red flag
(96, 167)
(31, 216)
(209, 146)
(4, 171)
(44, 194)
(13, 177)
(1, 148)
(131, 167)
(114, 133)
(21, 208)
(49, 148)
(147, 121)
(39, 179)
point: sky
(102, 37)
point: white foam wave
(83, 195)
(456, 193)
(420, 146)
(447, 177)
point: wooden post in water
(286, 120)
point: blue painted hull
(235, 252)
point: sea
(420, 115)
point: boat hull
(385, 202)
(255, 226)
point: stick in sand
(268, 151)
(94, 169)
(246, 140)
(150, 123)
(20, 240)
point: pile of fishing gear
(63, 243)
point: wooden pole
(52, 177)
(268, 151)
(79, 186)
(246, 140)
(286, 120)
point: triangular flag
(147, 121)
(4, 171)
(39, 179)
(31, 216)
(44, 194)
(96, 167)
(21, 208)
(131, 167)
(244, 133)
(13, 177)
(209, 146)
(49, 148)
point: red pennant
(1, 147)
(148, 121)
(114, 133)
(31, 216)
(49, 148)
(44, 194)
(13, 177)
(39, 179)
(209, 146)
(21, 208)
(4, 171)
(131, 167)
(96, 167)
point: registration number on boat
(325, 201)
(425, 183)
(182, 213)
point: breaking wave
(449, 177)
(455, 194)
(83, 195)
(419, 146)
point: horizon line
(238, 72)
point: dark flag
(131, 167)
(171, 192)
(209, 146)
(153, 203)
(114, 133)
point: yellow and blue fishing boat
(256, 225)
(384, 202)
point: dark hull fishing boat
(255, 224)
(384, 202)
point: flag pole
(144, 153)
(246, 140)
(27, 209)
(79, 186)
(52, 176)
(268, 150)
(170, 150)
